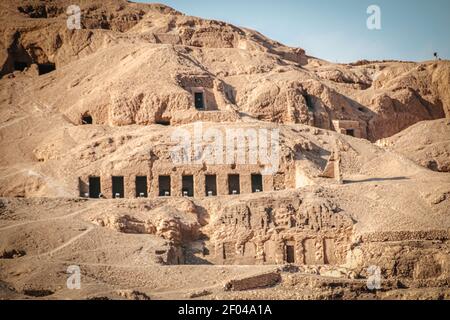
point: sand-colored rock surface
(89, 120)
(426, 143)
(139, 64)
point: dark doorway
(290, 254)
(86, 119)
(94, 187)
(309, 102)
(188, 186)
(165, 123)
(46, 68)
(350, 132)
(257, 183)
(234, 186)
(229, 250)
(141, 187)
(118, 189)
(211, 185)
(164, 186)
(20, 66)
(199, 101)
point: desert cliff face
(145, 61)
(92, 113)
(430, 150)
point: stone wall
(216, 92)
(415, 258)
(276, 182)
(159, 163)
(358, 130)
(274, 231)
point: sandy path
(70, 215)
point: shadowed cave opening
(164, 186)
(211, 185)
(18, 58)
(141, 187)
(199, 100)
(94, 187)
(20, 66)
(257, 183)
(234, 186)
(45, 68)
(188, 186)
(309, 102)
(36, 12)
(118, 189)
(87, 119)
(38, 293)
(290, 253)
(165, 123)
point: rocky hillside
(88, 117)
(137, 63)
(426, 143)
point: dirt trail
(70, 215)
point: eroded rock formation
(89, 121)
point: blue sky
(336, 30)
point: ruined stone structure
(305, 231)
(165, 171)
(165, 180)
(211, 100)
(350, 128)
(333, 167)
